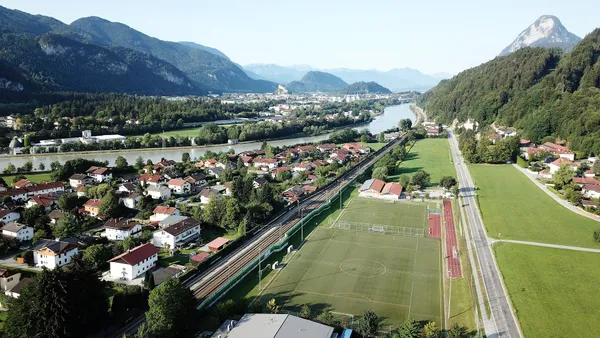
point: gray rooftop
(259, 325)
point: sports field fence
(378, 228)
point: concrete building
(177, 234)
(51, 254)
(261, 325)
(134, 262)
(18, 231)
(118, 230)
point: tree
(283, 175)
(68, 202)
(66, 304)
(325, 317)
(95, 256)
(305, 312)
(420, 179)
(66, 227)
(129, 243)
(457, 331)
(149, 281)
(109, 206)
(431, 330)
(55, 165)
(27, 166)
(563, 176)
(364, 138)
(410, 329)
(10, 168)
(272, 306)
(369, 324)
(404, 180)
(185, 157)
(380, 173)
(596, 167)
(26, 141)
(597, 235)
(139, 163)
(171, 311)
(405, 124)
(381, 137)
(41, 166)
(121, 162)
(447, 182)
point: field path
(560, 201)
(555, 246)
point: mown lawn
(513, 207)
(552, 290)
(431, 155)
(35, 178)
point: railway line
(217, 275)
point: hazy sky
(432, 36)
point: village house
(134, 262)
(301, 167)
(555, 165)
(206, 194)
(17, 231)
(150, 179)
(259, 182)
(589, 173)
(52, 254)
(99, 174)
(80, 191)
(356, 148)
(163, 164)
(293, 194)
(77, 180)
(161, 212)
(92, 207)
(17, 195)
(276, 171)
(118, 230)
(177, 234)
(45, 201)
(558, 150)
(158, 192)
(43, 188)
(21, 184)
(127, 188)
(179, 186)
(246, 160)
(591, 191)
(269, 163)
(131, 200)
(581, 181)
(56, 215)
(210, 163)
(304, 149)
(11, 283)
(196, 180)
(377, 188)
(327, 147)
(7, 216)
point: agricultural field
(189, 132)
(552, 290)
(347, 269)
(35, 178)
(513, 207)
(431, 155)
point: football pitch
(347, 272)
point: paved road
(505, 323)
(562, 202)
(555, 246)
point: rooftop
(135, 255)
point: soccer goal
(379, 228)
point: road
(554, 246)
(217, 276)
(564, 203)
(502, 315)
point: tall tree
(563, 176)
(369, 324)
(431, 330)
(421, 178)
(410, 329)
(109, 206)
(121, 162)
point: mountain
(403, 79)
(279, 74)
(543, 93)
(204, 48)
(315, 81)
(547, 32)
(204, 67)
(55, 62)
(365, 88)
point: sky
(431, 36)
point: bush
(597, 235)
(521, 162)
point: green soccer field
(374, 211)
(349, 272)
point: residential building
(197, 180)
(163, 164)
(591, 191)
(92, 207)
(177, 234)
(327, 147)
(17, 195)
(128, 188)
(80, 191)
(301, 167)
(269, 163)
(45, 201)
(51, 254)
(158, 192)
(15, 291)
(262, 325)
(558, 150)
(21, 184)
(132, 200)
(206, 194)
(7, 216)
(134, 262)
(293, 194)
(77, 180)
(118, 230)
(259, 182)
(179, 186)
(215, 171)
(150, 179)
(99, 174)
(56, 215)
(356, 148)
(161, 212)
(555, 165)
(17, 231)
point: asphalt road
(502, 316)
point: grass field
(35, 178)
(552, 290)
(431, 155)
(516, 208)
(349, 272)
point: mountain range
(315, 81)
(402, 79)
(547, 32)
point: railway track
(210, 280)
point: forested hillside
(543, 93)
(315, 81)
(363, 87)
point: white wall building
(177, 234)
(179, 186)
(52, 254)
(19, 231)
(158, 192)
(161, 212)
(119, 230)
(134, 262)
(7, 216)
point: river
(388, 120)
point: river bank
(420, 114)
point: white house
(270, 163)
(177, 234)
(206, 194)
(18, 231)
(77, 180)
(591, 191)
(134, 262)
(99, 174)
(127, 188)
(17, 195)
(119, 230)
(179, 186)
(158, 192)
(554, 166)
(161, 212)
(7, 216)
(132, 200)
(51, 254)
(45, 188)
(45, 201)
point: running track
(454, 269)
(435, 226)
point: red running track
(435, 225)
(454, 268)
